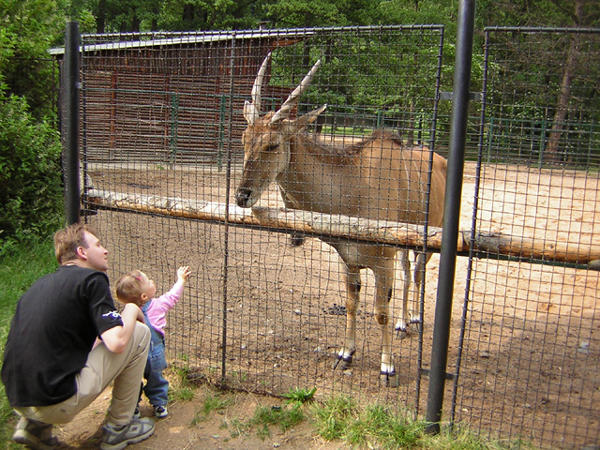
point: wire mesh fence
(261, 314)
(163, 128)
(530, 362)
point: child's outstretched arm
(183, 273)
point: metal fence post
(70, 156)
(443, 309)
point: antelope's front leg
(352, 291)
(384, 286)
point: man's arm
(116, 338)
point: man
(55, 365)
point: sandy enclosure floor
(531, 347)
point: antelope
(377, 178)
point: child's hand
(183, 273)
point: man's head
(78, 244)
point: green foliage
(209, 14)
(211, 403)
(300, 395)
(377, 427)
(333, 417)
(305, 13)
(31, 196)
(29, 29)
(284, 417)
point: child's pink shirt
(158, 307)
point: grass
(19, 269)
(285, 417)
(300, 395)
(340, 419)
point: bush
(31, 199)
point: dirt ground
(530, 351)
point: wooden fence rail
(346, 227)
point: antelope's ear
(250, 112)
(309, 117)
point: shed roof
(179, 39)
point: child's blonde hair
(129, 287)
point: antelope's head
(266, 139)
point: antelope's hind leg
(420, 263)
(402, 323)
(384, 287)
(352, 296)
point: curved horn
(286, 107)
(252, 110)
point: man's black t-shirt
(52, 332)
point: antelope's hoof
(296, 239)
(390, 379)
(418, 322)
(401, 329)
(346, 360)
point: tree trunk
(410, 137)
(101, 16)
(562, 104)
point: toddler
(136, 287)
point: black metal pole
(70, 159)
(443, 307)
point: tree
(30, 193)
(28, 29)
(581, 17)
(192, 15)
(305, 13)
(546, 76)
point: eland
(376, 178)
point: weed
(211, 403)
(184, 393)
(334, 416)
(240, 375)
(215, 403)
(300, 395)
(378, 427)
(285, 417)
(236, 427)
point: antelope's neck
(310, 184)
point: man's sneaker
(116, 438)
(161, 411)
(34, 434)
(137, 414)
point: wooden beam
(346, 227)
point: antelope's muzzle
(242, 197)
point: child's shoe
(161, 411)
